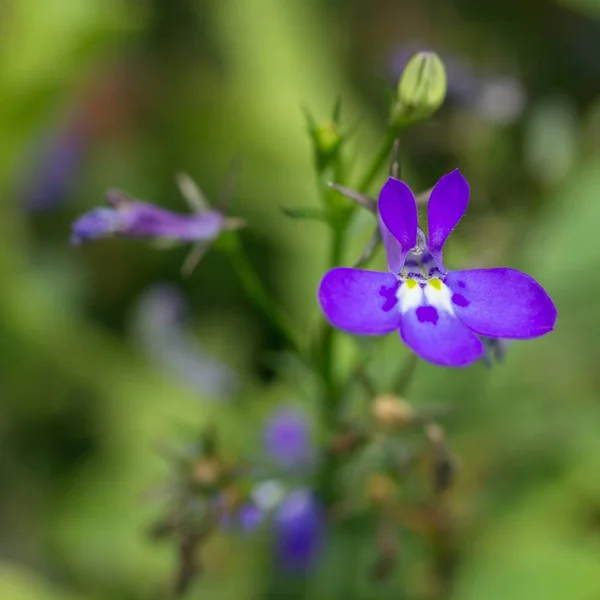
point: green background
(166, 85)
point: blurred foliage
(156, 86)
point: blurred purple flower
(158, 324)
(298, 529)
(287, 439)
(55, 167)
(250, 517)
(497, 99)
(136, 219)
(245, 519)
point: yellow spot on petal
(436, 284)
(411, 283)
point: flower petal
(148, 220)
(502, 303)
(439, 337)
(360, 302)
(447, 204)
(299, 530)
(393, 248)
(398, 212)
(287, 438)
(95, 224)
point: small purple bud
(245, 519)
(298, 530)
(250, 517)
(287, 438)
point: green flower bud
(327, 137)
(421, 90)
(327, 141)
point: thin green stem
(327, 340)
(380, 158)
(257, 292)
(406, 375)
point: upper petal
(360, 302)
(447, 204)
(432, 330)
(502, 303)
(393, 248)
(398, 211)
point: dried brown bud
(444, 463)
(435, 434)
(391, 411)
(380, 488)
(347, 441)
(206, 472)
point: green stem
(379, 160)
(406, 375)
(255, 289)
(327, 340)
(333, 391)
(337, 247)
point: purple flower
(439, 313)
(250, 517)
(55, 170)
(135, 219)
(246, 519)
(160, 323)
(287, 439)
(298, 530)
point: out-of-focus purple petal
(439, 337)
(502, 303)
(298, 530)
(447, 204)
(159, 326)
(148, 220)
(287, 439)
(398, 211)
(250, 517)
(54, 170)
(95, 224)
(360, 302)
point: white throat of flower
(421, 281)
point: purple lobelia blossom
(287, 439)
(160, 323)
(135, 219)
(298, 530)
(440, 314)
